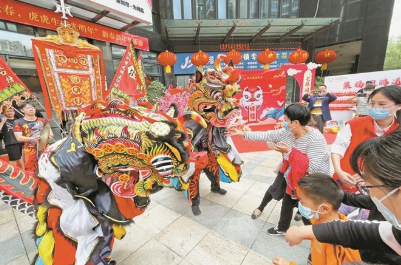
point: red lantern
(324, 57)
(298, 56)
(167, 59)
(200, 59)
(266, 57)
(234, 55)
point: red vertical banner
(304, 74)
(262, 95)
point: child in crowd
(320, 197)
(13, 146)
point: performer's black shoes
(219, 191)
(196, 210)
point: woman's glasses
(364, 189)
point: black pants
(287, 209)
(319, 122)
(275, 191)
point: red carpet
(250, 146)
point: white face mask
(387, 214)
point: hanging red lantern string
(200, 59)
(324, 57)
(267, 57)
(167, 59)
(298, 56)
(234, 56)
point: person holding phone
(304, 151)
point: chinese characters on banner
(263, 95)
(304, 74)
(11, 87)
(129, 80)
(249, 61)
(71, 76)
(43, 18)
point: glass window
(2, 25)
(295, 8)
(210, 9)
(15, 43)
(285, 8)
(117, 51)
(187, 9)
(231, 9)
(11, 27)
(149, 55)
(151, 69)
(205, 9)
(243, 9)
(222, 9)
(253, 9)
(274, 5)
(264, 8)
(177, 9)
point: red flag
(129, 81)
(11, 87)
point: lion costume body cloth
(212, 98)
(92, 183)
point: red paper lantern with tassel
(266, 57)
(298, 56)
(167, 59)
(324, 57)
(234, 55)
(200, 59)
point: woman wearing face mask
(378, 162)
(319, 106)
(383, 103)
(295, 138)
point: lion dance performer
(93, 182)
(212, 99)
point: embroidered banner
(11, 87)
(71, 71)
(129, 80)
(43, 18)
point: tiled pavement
(168, 233)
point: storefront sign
(43, 18)
(249, 61)
(140, 10)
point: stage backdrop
(346, 86)
(262, 96)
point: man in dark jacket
(319, 105)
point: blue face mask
(379, 114)
(286, 127)
(387, 214)
(307, 212)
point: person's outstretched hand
(280, 261)
(281, 147)
(296, 234)
(346, 178)
(234, 132)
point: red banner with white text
(44, 18)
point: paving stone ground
(168, 232)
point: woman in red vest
(383, 104)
